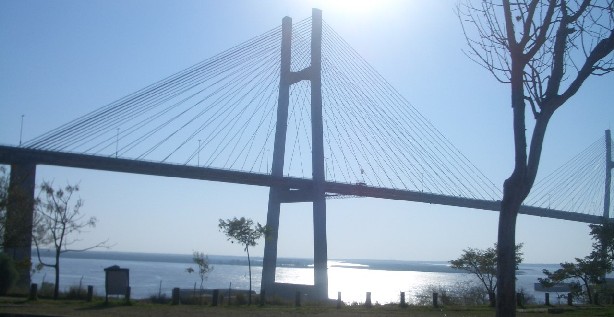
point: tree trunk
(249, 264)
(56, 287)
(514, 192)
(506, 256)
(492, 299)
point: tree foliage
(57, 223)
(603, 236)
(545, 50)
(483, 264)
(202, 263)
(587, 273)
(245, 233)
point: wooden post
(368, 301)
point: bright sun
(355, 7)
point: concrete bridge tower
(281, 194)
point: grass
(45, 307)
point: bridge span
(297, 189)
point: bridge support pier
(281, 194)
(609, 165)
(19, 221)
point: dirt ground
(13, 308)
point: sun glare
(356, 7)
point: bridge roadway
(297, 186)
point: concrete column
(317, 130)
(19, 217)
(608, 175)
(269, 261)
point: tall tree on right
(545, 50)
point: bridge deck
(16, 155)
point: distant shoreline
(386, 265)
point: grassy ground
(15, 306)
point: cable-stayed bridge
(298, 110)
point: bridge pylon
(280, 194)
(609, 165)
(17, 242)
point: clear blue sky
(62, 59)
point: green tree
(545, 50)
(56, 221)
(202, 262)
(483, 264)
(245, 233)
(603, 236)
(589, 271)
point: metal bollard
(368, 301)
(90, 293)
(176, 297)
(297, 299)
(128, 291)
(215, 297)
(33, 292)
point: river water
(154, 273)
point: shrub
(46, 290)
(240, 299)
(159, 298)
(8, 273)
(527, 298)
(77, 291)
(460, 294)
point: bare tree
(545, 50)
(57, 220)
